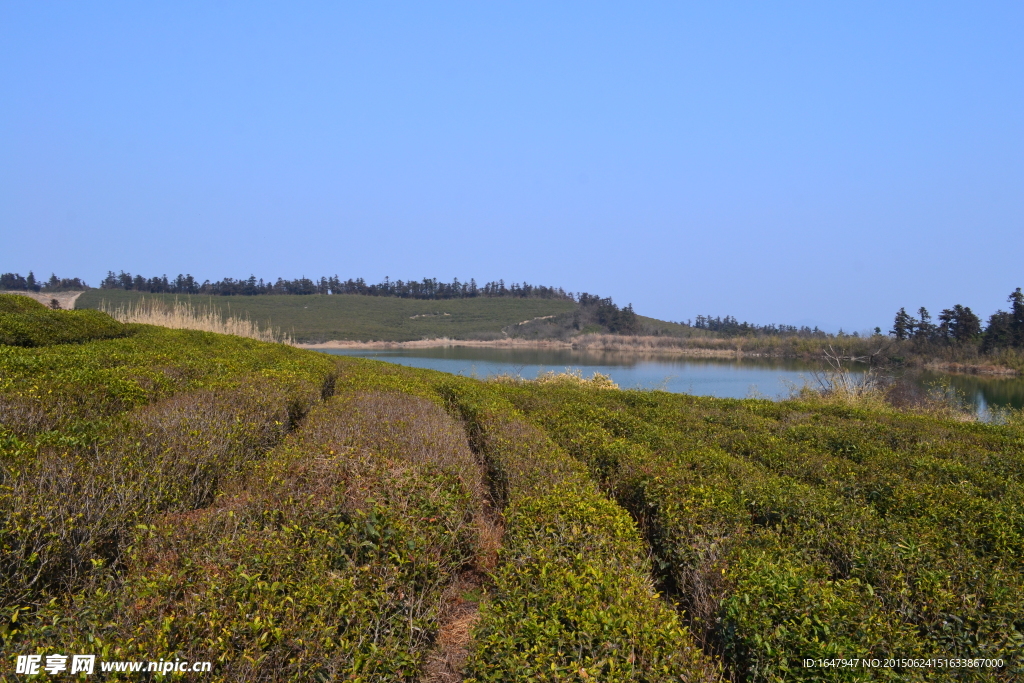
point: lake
(725, 378)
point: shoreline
(441, 342)
(444, 342)
(636, 347)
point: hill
(351, 317)
(290, 516)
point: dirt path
(65, 299)
(461, 612)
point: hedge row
(66, 395)
(572, 597)
(325, 561)
(99, 439)
(774, 568)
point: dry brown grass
(184, 316)
(460, 614)
(570, 377)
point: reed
(184, 316)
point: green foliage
(15, 303)
(801, 530)
(26, 322)
(326, 560)
(573, 599)
(100, 437)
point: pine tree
(998, 332)
(1016, 300)
(903, 325)
(925, 329)
(959, 324)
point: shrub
(99, 438)
(326, 560)
(72, 390)
(26, 322)
(794, 528)
(572, 596)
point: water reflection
(980, 391)
(721, 377)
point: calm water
(740, 378)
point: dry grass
(570, 377)
(872, 391)
(184, 316)
(461, 612)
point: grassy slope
(664, 327)
(364, 318)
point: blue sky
(780, 162)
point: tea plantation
(292, 516)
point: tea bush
(326, 560)
(26, 322)
(572, 595)
(67, 393)
(793, 530)
(90, 449)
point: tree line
(427, 288)
(729, 326)
(15, 282)
(960, 326)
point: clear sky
(815, 162)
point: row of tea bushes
(26, 322)
(325, 561)
(966, 478)
(572, 597)
(68, 510)
(931, 508)
(64, 395)
(99, 438)
(772, 568)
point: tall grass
(185, 316)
